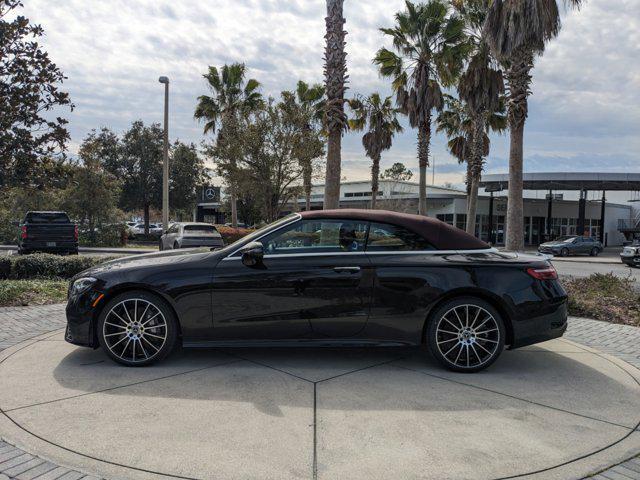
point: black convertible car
(323, 278)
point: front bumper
(540, 329)
(632, 261)
(81, 316)
(549, 250)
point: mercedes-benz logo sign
(210, 193)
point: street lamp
(165, 157)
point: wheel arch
(117, 290)
(485, 295)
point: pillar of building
(549, 214)
(602, 209)
(491, 240)
(581, 211)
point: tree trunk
(424, 137)
(146, 218)
(307, 173)
(335, 73)
(375, 174)
(519, 79)
(475, 171)
(332, 182)
(234, 204)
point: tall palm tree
(458, 123)
(480, 87)
(311, 101)
(233, 98)
(430, 46)
(517, 31)
(380, 118)
(335, 72)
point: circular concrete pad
(320, 413)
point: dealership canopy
(566, 181)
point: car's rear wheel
(466, 334)
(595, 251)
(564, 252)
(137, 328)
(160, 247)
(176, 245)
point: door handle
(346, 269)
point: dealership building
(548, 213)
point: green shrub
(45, 265)
(5, 266)
(106, 236)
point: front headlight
(81, 285)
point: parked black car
(572, 245)
(321, 278)
(48, 232)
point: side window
(385, 237)
(317, 236)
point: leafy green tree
(93, 194)
(186, 176)
(517, 31)
(458, 123)
(309, 148)
(397, 172)
(139, 167)
(30, 137)
(335, 73)
(380, 119)
(481, 88)
(431, 45)
(233, 99)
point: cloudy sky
(584, 110)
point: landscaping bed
(40, 278)
(604, 297)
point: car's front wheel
(595, 251)
(466, 334)
(137, 328)
(564, 252)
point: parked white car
(193, 234)
(154, 229)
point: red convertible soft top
(439, 234)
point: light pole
(165, 157)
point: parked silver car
(572, 245)
(188, 235)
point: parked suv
(572, 245)
(186, 235)
(630, 254)
(48, 232)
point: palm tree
(379, 116)
(311, 101)
(335, 72)
(517, 31)
(457, 121)
(480, 88)
(232, 99)
(430, 43)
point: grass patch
(604, 297)
(32, 292)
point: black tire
(564, 252)
(163, 324)
(160, 247)
(447, 346)
(176, 245)
(594, 252)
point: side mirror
(252, 254)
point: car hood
(553, 244)
(148, 261)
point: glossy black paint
(340, 298)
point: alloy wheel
(135, 330)
(467, 336)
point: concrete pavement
(557, 410)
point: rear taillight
(75, 232)
(546, 273)
(23, 233)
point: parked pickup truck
(48, 232)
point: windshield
(200, 228)
(47, 217)
(261, 231)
